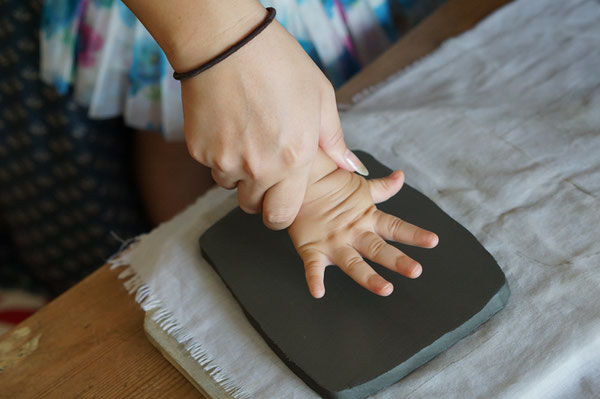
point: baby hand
(338, 224)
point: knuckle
(375, 247)
(222, 179)
(333, 236)
(352, 264)
(223, 163)
(297, 153)
(396, 225)
(196, 153)
(312, 268)
(218, 165)
(253, 168)
(290, 156)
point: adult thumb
(331, 141)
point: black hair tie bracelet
(214, 61)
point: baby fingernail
(379, 285)
(355, 163)
(434, 240)
(318, 292)
(416, 271)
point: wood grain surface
(90, 342)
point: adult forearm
(191, 32)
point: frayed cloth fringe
(167, 322)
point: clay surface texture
(352, 343)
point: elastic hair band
(214, 61)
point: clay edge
(494, 305)
(306, 378)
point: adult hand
(257, 119)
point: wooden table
(90, 342)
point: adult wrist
(229, 51)
(190, 45)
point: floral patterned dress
(117, 68)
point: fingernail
(355, 163)
(379, 285)
(318, 292)
(434, 241)
(397, 174)
(416, 271)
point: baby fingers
(384, 188)
(395, 229)
(314, 268)
(373, 247)
(354, 266)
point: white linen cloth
(501, 128)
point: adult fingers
(226, 181)
(354, 266)
(331, 137)
(250, 196)
(395, 229)
(282, 201)
(372, 246)
(314, 267)
(384, 188)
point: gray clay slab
(352, 343)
